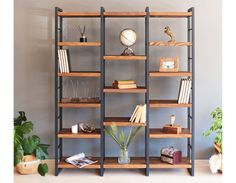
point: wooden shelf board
(120, 121)
(79, 14)
(135, 162)
(110, 89)
(155, 162)
(81, 74)
(158, 133)
(170, 74)
(120, 57)
(66, 133)
(79, 105)
(124, 14)
(79, 44)
(167, 104)
(171, 14)
(63, 164)
(163, 43)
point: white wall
(34, 73)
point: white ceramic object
(74, 129)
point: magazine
(80, 160)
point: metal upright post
(147, 87)
(102, 97)
(193, 92)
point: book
(139, 114)
(180, 90)
(187, 96)
(80, 160)
(127, 86)
(124, 82)
(134, 114)
(143, 116)
(63, 59)
(182, 85)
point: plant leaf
(20, 118)
(18, 154)
(29, 144)
(133, 133)
(43, 169)
(41, 151)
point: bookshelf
(146, 162)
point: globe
(128, 38)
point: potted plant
(216, 129)
(28, 151)
(122, 140)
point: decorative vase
(29, 165)
(123, 157)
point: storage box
(174, 129)
(171, 155)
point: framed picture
(169, 64)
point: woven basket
(29, 165)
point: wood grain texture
(163, 43)
(135, 162)
(66, 134)
(155, 162)
(120, 121)
(79, 14)
(171, 14)
(124, 14)
(79, 105)
(158, 133)
(110, 89)
(63, 164)
(170, 74)
(79, 44)
(166, 104)
(81, 74)
(130, 58)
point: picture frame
(169, 64)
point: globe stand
(128, 52)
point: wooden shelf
(80, 105)
(124, 14)
(171, 14)
(63, 164)
(120, 121)
(158, 133)
(110, 89)
(135, 162)
(86, 44)
(120, 57)
(155, 162)
(170, 74)
(79, 14)
(167, 104)
(81, 74)
(66, 134)
(163, 43)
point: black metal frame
(58, 90)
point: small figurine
(83, 37)
(172, 119)
(169, 33)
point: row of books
(63, 59)
(124, 84)
(139, 114)
(184, 91)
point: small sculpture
(128, 38)
(83, 38)
(172, 119)
(169, 33)
(86, 128)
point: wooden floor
(202, 175)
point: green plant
(216, 127)
(119, 136)
(28, 145)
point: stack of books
(139, 114)
(63, 59)
(124, 84)
(184, 91)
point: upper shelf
(124, 14)
(163, 43)
(169, 74)
(79, 43)
(120, 57)
(80, 105)
(139, 89)
(171, 14)
(79, 14)
(167, 104)
(81, 74)
(67, 134)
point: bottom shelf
(63, 164)
(155, 162)
(135, 162)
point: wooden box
(174, 129)
(171, 155)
